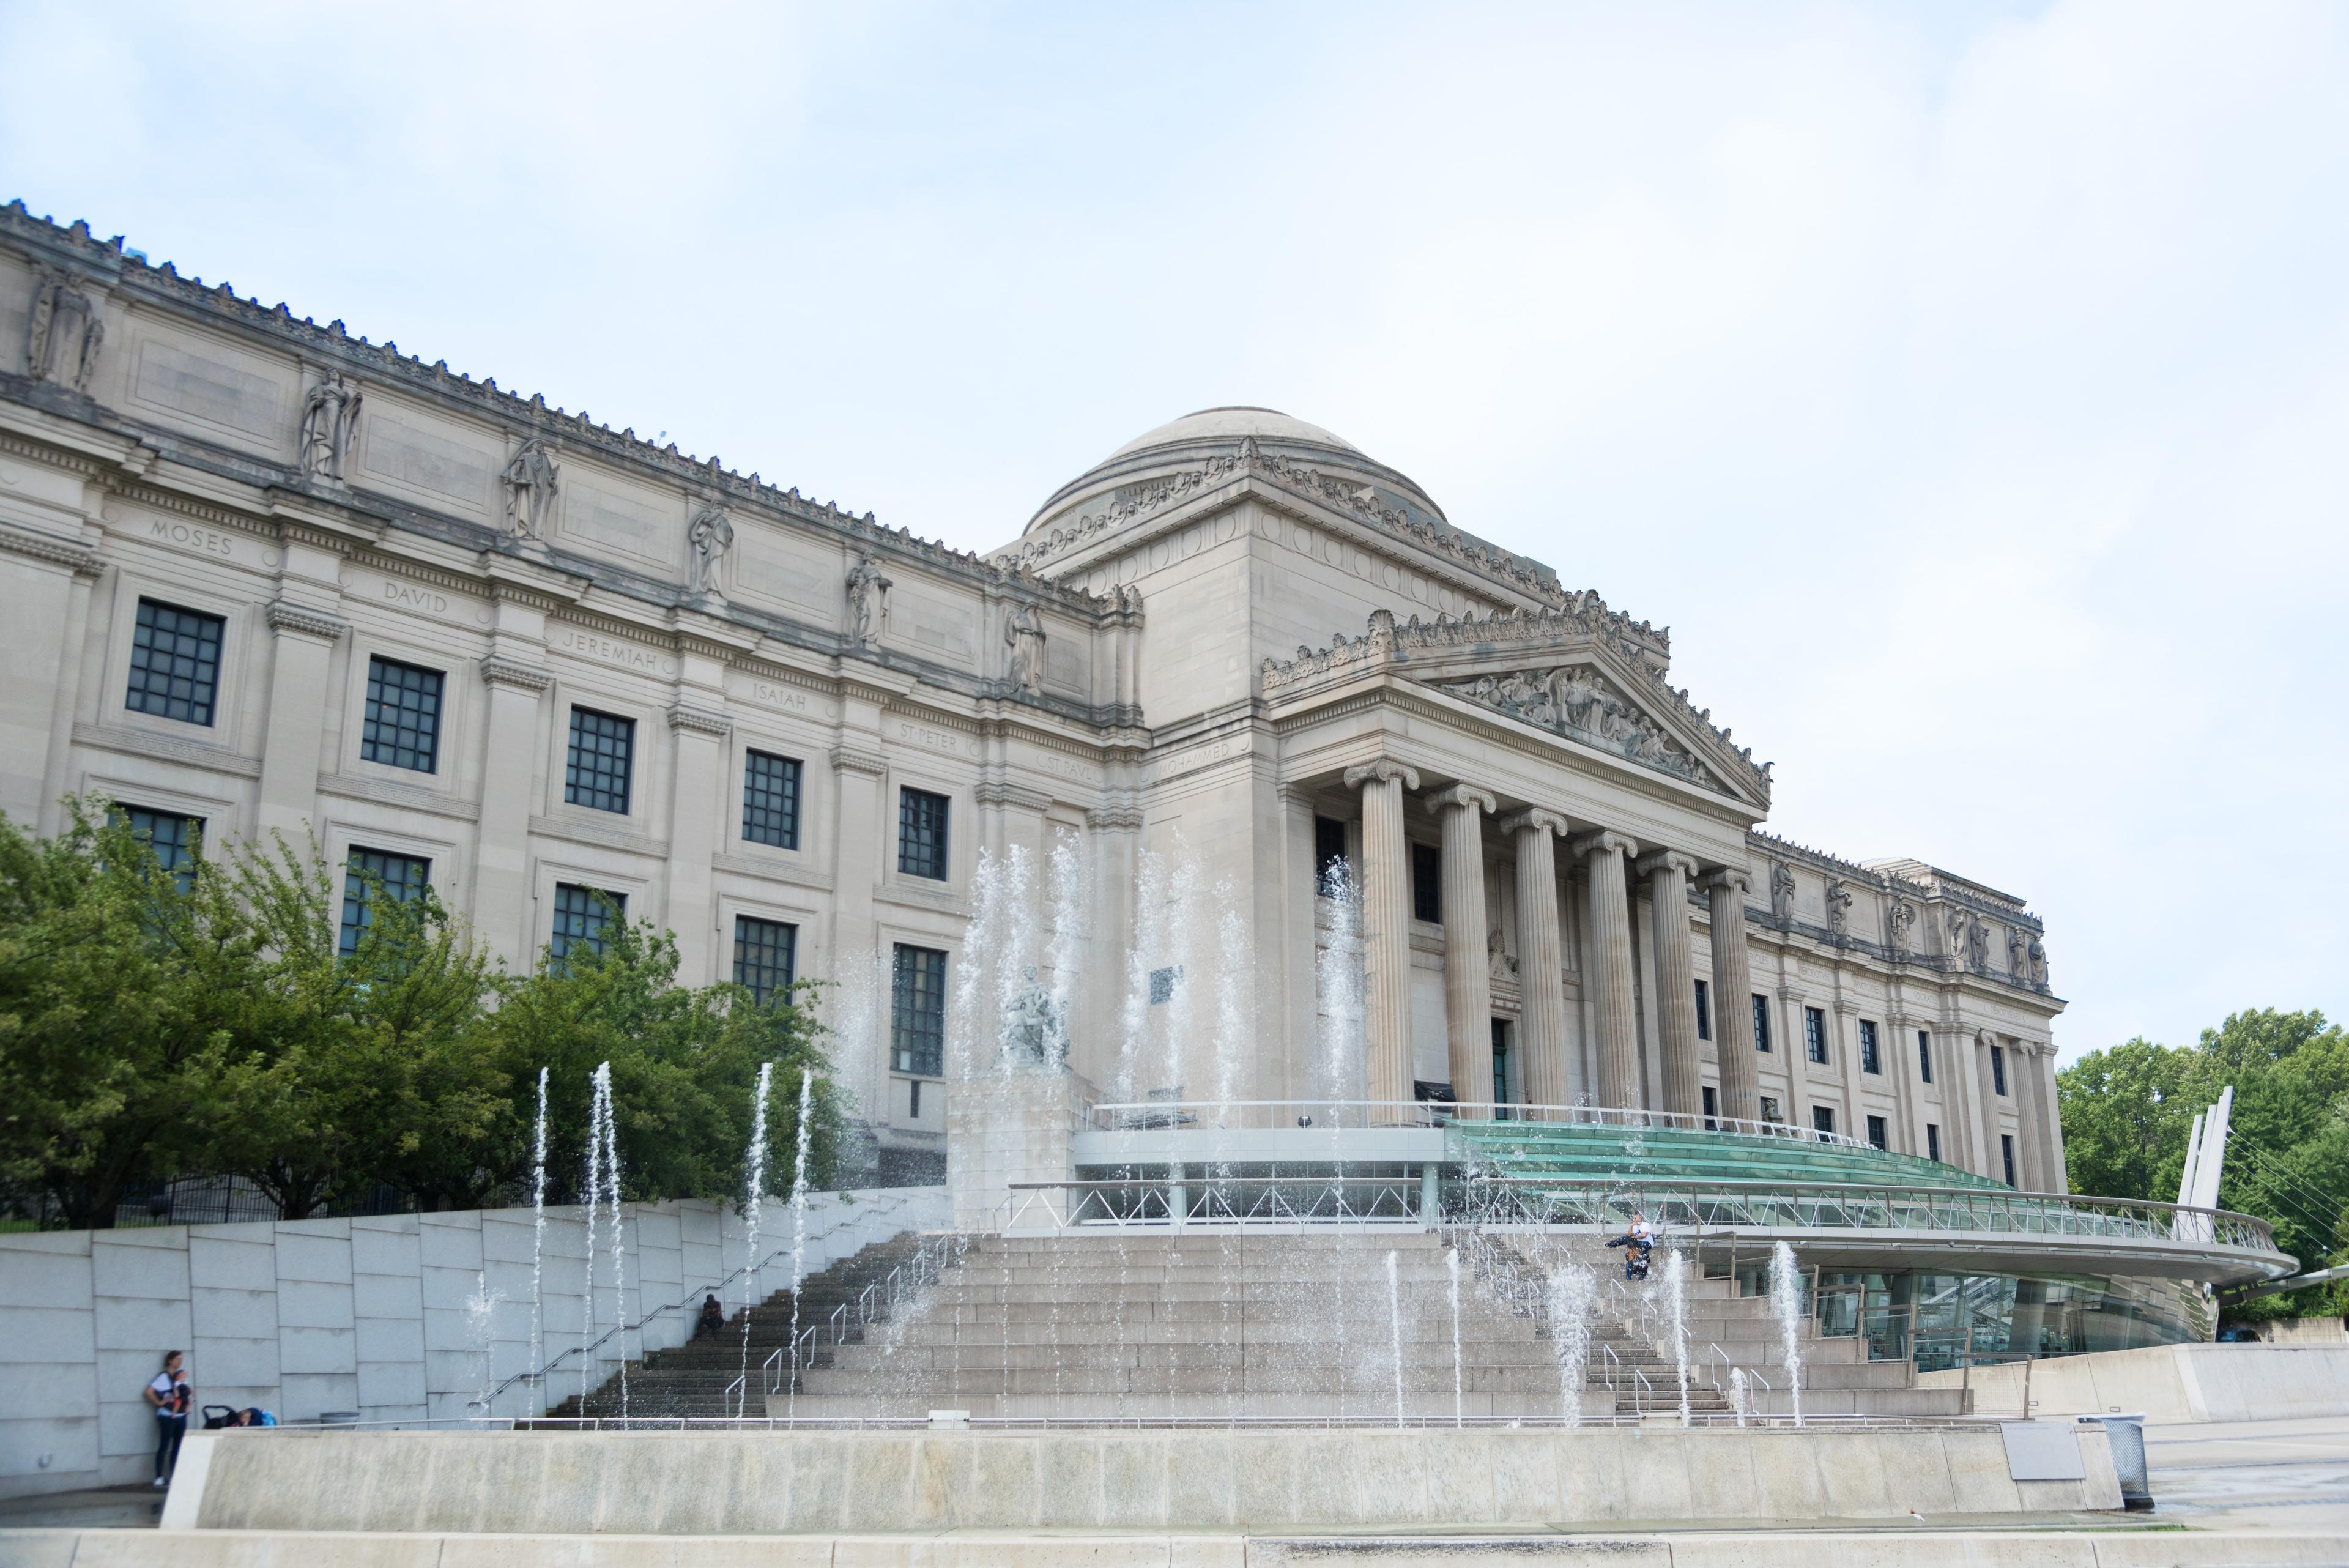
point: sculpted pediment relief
(1579, 703)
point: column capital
(699, 720)
(286, 616)
(1657, 860)
(498, 672)
(1464, 794)
(1381, 772)
(1606, 841)
(1728, 876)
(1534, 819)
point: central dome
(1229, 424)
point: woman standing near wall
(168, 1393)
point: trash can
(2127, 1436)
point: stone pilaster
(2023, 1081)
(1541, 1010)
(696, 808)
(302, 646)
(1603, 855)
(1386, 926)
(2049, 1125)
(501, 859)
(1467, 967)
(1668, 873)
(1732, 997)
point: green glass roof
(1576, 1152)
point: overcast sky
(1967, 386)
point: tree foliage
(204, 1021)
(2128, 1113)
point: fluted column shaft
(1733, 998)
(1386, 926)
(1667, 875)
(1610, 932)
(1541, 1011)
(1467, 969)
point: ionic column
(1610, 929)
(2030, 1120)
(1541, 966)
(1386, 926)
(1467, 968)
(1732, 997)
(1667, 872)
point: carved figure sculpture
(711, 535)
(330, 416)
(1839, 908)
(63, 332)
(1023, 630)
(1898, 917)
(1035, 1031)
(1497, 955)
(1781, 892)
(2018, 954)
(2038, 963)
(868, 601)
(531, 481)
(1969, 940)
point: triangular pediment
(1584, 673)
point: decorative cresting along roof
(1355, 495)
(106, 262)
(1601, 707)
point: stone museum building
(260, 575)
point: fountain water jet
(754, 1199)
(1133, 1017)
(1459, 1403)
(619, 1239)
(538, 1237)
(1394, 1326)
(1573, 1297)
(1234, 1042)
(1676, 1308)
(599, 1111)
(1069, 875)
(1337, 980)
(1738, 1398)
(1786, 1306)
(799, 1229)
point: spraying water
(1573, 1293)
(1011, 938)
(754, 1199)
(538, 1241)
(970, 994)
(1394, 1326)
(1235, 1044)
(1738, 1398)
(1676, 1308)
(1070, 875)
(1180, 927)
(1133, 1017)
(1338, 978)
(481, 1313)
(1786, 1306)
(619, 1240)
(599, 1111)
(799, 1229)
(1459, 1402)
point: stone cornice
(997, 793)
(699, 721)
(1114, 819)
(169, 748)
(38, 546)
(285, 616)
(582, 832)
(522, 677)
(776, 868)
(411, 797)
(845, 761)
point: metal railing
(1202, 1200)
(1256, 1116)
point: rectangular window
(1814, 1033)
(1761, 1022)
(1933, 1141)
(1712, 1108)
(1823, 1121)
(1770, 1109)
(1504, 1088)
(922, 835)
(172, 836)
(403, 716)
(1869, 1061)
(174, 662)
(1703, 1011)
(2006, 1153)
(1924, 1057)
(1876, 1134)
(1162, 982)
(1426, 882)
(1997, 1070)
(581, 917)
(401, 877)
(765, 954)
(603, 747)
(770, 800)
(918, 1012)
(1328, 849)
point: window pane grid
(404, 877)
(580, 917)
(174, 663)
(1869, 1061)
(1761, 1024)
(600, 749)
(922, 834)
(173, 838)
(1814, 1033)
(764, 953)
(770, 800)
(918, 1012)
(403, 716)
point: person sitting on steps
(1640, 1240)
(713, 1318)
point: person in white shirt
(169, 1394)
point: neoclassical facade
(264, 575)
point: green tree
(2125, 1125)
(685, 1065)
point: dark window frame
(1703, 1011)
(2006, 1153)
(184, 843)
(1871, 1056)
(1933, 1141)
(1924, 1057)
(766, 955)
(1761, 1024)
(924, 827)
(1998, 1070)
(1328, 849)
(1823, 1122)
(414, 875)
(1815, 1035)
(771, 794)
(917, 1011)
(582, 917)
(175, 662)
(1427, 883)
(1880, 1133)
(601, 775)
(397, 732)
